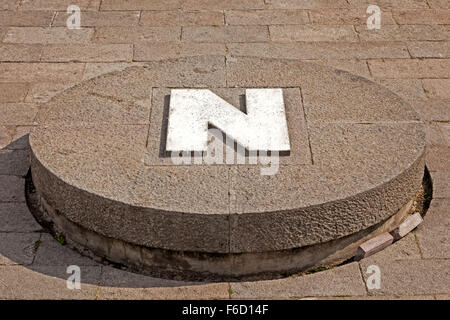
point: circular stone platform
(100, 170)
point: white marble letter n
(191, 111)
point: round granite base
(99, 166)
(194, 266)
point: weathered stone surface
(48, 35)
(13, 92)
(431, 277)
(432, 109)
(58, 5)
(445, 129)
(346, 16)
(409, 89)
(306, 4)
(14, 162)
(229, 33)
(433, 234)
(437, 88)
(345, 280)
(17, 248)
(266, 17)
(172, 50)
(438, 158)
(12, 189)
(363, 182)
(312, 33)
(15, 217)
(407, 226)
(434, 136)
(46, 282)
(428, 49)
(17, 113)
(403, 249)
(373, 245)
(419, 16)
(140, 5)
(26, 18)
(320, 50)
(36, 72)
(101, 19)
(299, 154)
(136, 34)
(51, 253)
(181, 18)
(20, 52)
(87, 53)
(117, 284)
(408, 68)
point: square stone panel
(298, 135)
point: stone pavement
(40, 57)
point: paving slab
(182, 18)
(433, 235)
(58, 5)
(20, 52)
(345, 280)
(18, 248)
(46, 282)
(42, 35)
(26, 18)
(14, 162)
(12, 189)
(16, 217)
(429, 277)
(118, 284)
(101, 19)
(52, 253)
